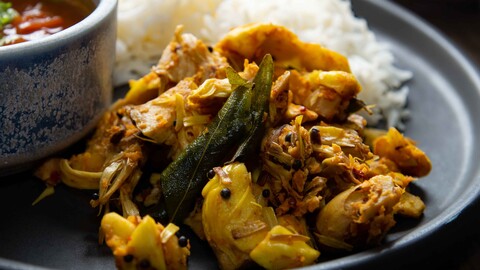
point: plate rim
(439, 226)
(461, 208)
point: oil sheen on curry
(25, 20)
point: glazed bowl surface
(53, 90)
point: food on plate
(331, 23)
(232, 219)
(403, 152)
(258, 149)
(360, 215)
(241, 227)
(140, 243)
(284, 249)
(24, 20)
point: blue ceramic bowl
(54, 90)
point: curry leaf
(183, 180)
(262, 85)
(234, 79)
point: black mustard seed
(225, 193)
(182, 241)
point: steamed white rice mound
(146, 26)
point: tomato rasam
(25, 20)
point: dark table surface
(458, 21)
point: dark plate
(61, 231)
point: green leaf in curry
(182, 181)
(356, 105)
(234, 79)
(262, 85)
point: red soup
(25, 20)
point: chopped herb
(7, 13)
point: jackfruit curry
(257, 144)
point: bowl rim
(103, 9)
(11, 56)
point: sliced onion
(78, 179)
(270, 217)
(49, 190)
(196, 120)
(332, 242)
(248, 229)
(287, 238)
(128, 206)
(168, 232)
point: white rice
(146, 26)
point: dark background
(458, 21)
